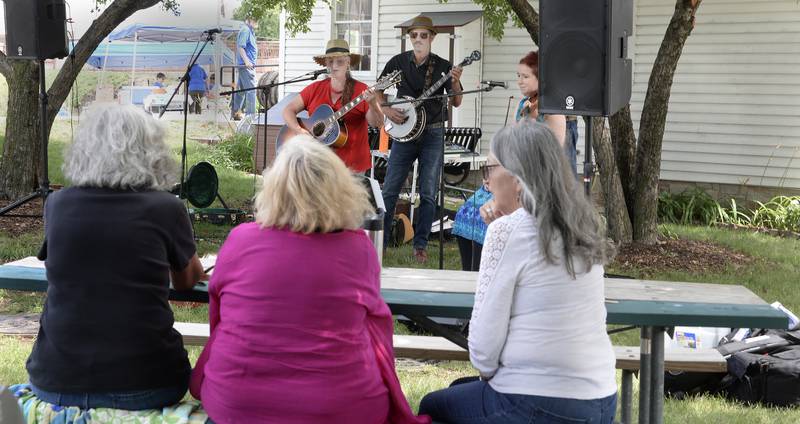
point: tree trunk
(528, 16)
(617, 219)
(624, 145)
(654, 116)
(18, 166)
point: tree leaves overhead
(268, 24)
(298, 12)
(495, 14)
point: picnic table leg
(657, 379)
(626, 411)
(645, 375)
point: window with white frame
(352, 21)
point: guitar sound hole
(318, 129)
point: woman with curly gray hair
(112, 243)
(537, 334)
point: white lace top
(535, 330)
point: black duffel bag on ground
(769, 376)
(764, 369)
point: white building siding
(734, 109)
(297, 51)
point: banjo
(415, 113)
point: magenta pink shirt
(299, 332)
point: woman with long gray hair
(537, 334)
(112, 243)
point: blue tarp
(153, 55)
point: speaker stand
(44, 182)
(588, 166)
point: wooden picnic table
(421, 294)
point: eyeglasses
(486, 170)
(422, 35)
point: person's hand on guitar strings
(371, 98)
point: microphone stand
(445, 98)
(265, 90)
(185, 82)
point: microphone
(319, 72)
(495, 83)
(212, 31)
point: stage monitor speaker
(36, 29)
(583, 56)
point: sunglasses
(422, 35)
(487, 169)
(339, 61)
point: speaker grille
(573, 70)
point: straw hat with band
(421, 22)
(337, 48)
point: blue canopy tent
(168, 55)
(162, 34)
(161, 47)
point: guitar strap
(429, 73)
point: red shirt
(355, 153)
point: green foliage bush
(693, 206)
(780, 213)
(234, 152)
(696, 207)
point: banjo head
(398, 131)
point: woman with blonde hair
(113, 241)
(299, 332)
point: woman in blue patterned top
(469, 228)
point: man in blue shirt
(197, 88)
(247, 51)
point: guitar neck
(348, 107)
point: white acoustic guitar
(415, 124)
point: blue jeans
(246, 79)
(132, 400)
(427, 149)
(477, 402)
(571, 144)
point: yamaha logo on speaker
(569, 102)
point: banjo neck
(438, 84)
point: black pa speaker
(36, 29)
(583, 63)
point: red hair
(531, 60)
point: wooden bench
(417, 347)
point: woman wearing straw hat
(336, 91)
